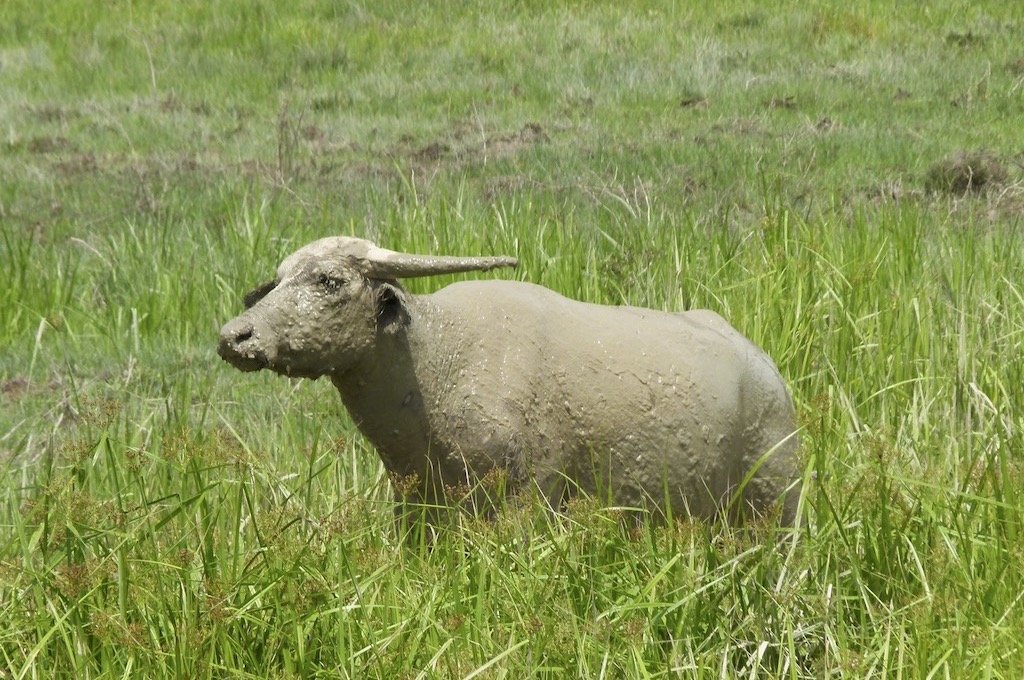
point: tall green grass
(166, 516)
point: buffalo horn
(381, 263)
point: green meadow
(842, 181)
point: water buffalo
(641, 407)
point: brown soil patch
(312, 133)
(14, 389)
(965, 40)
(533, 132)
(52, 113)
(966, 172)
(693, 102)
(77, 164)
(464, 146)
(503, 185)
(527, 136)
(826, 125)
(45, 144)
(172, 104)
(787, 102)
(432, 152)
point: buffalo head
(328, 304)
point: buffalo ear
(392, 315)
(257, 294)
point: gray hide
(639, 406)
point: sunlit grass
(166, 516)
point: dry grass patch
(966, 172)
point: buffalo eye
(331, 284)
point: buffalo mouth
(245, 360)
(240, 347)
(249, 359)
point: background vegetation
(840, 180)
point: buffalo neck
(389, 391)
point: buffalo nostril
(239, 346)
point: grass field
(842, 181)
